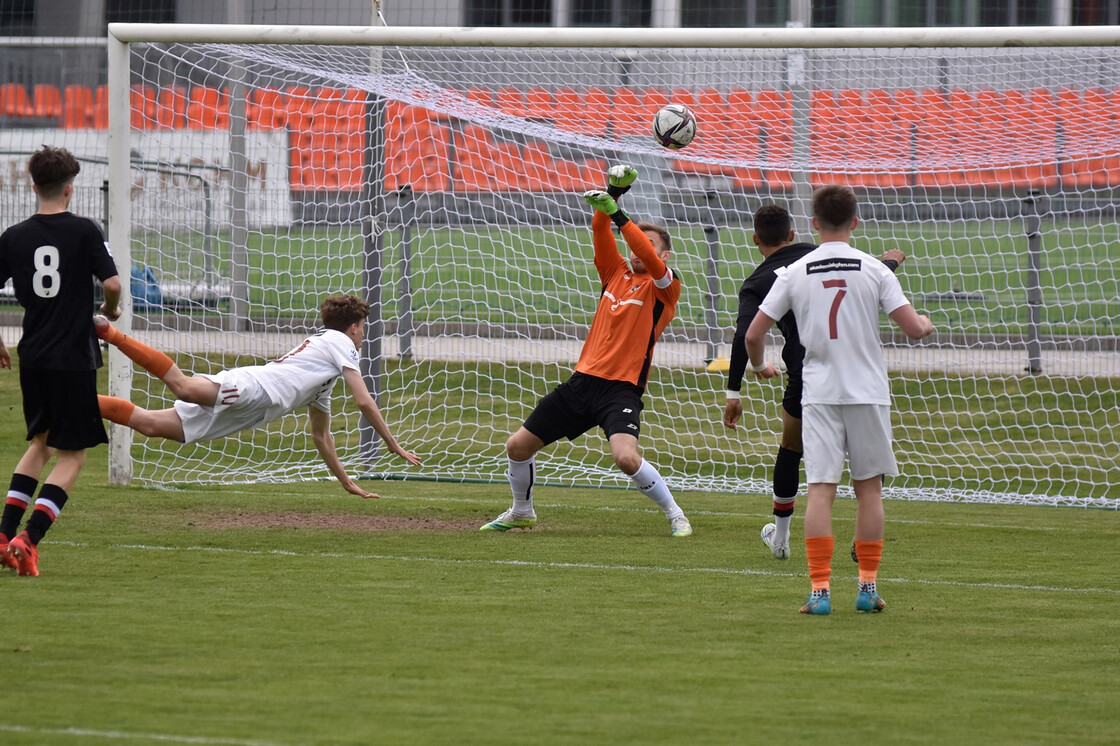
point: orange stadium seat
(744, 123)
(775, 112)
(265, 109)
(653, 98)
(1086, 123)
(14, 101)
(207, 108)
(510, 101)
(570, 109)
(416, 153)
(143, 106)
(628, 117)
(482, 96)
(538, 103)
(77, 107)
(171, 108)
(538, 164)
(298, 103)
(101, 107)
(46, 101)
(597, 110)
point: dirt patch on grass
(334, 522)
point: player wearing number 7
(52, 258)
(836, 294)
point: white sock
(781, 528)
(521, 475)
(650, 484)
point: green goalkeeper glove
(605, 204)
(619, 179)
(601, 201)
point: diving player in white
(213, 406)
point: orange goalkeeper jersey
(633, 310)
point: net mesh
(995, 170)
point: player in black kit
(52, 258)
(773, 234)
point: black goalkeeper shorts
(581, 403)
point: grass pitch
(277, 615)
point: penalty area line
(117, 735)
(729, 571)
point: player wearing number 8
(836, 294)
(51, 259)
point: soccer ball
(674, 126)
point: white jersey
(836, 293)
(307, 374)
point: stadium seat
(171, 108)
(539, 169)
(745, 125)
(416, 150)
(46, 102)
(1086, 123)
(265, 109)
(538, 104)
(101, 107)
(298, 103)
(653, 98)
(14, 101)
(628, 114)
(510, 101)
(775, 112)
(143, 106)
(597, 110)
(207, 109)
(570, 109)
(77, 107)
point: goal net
(443, 182)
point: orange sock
(151, 360)
(869, 553)
(115, 410)
(818, 549)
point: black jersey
(751, 295)
(52, 260)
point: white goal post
(437, 172)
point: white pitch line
(653, 511)
(117, 735)
(589, 566)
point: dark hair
(834, 206)
(661, 232)
(340, 311)
(52, 169)
(772, 224)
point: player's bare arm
(372, 413)
(5, 356)
(321, 435)
(913, 324)
(732, 412)
(756, 346)
(111, 307)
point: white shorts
(860, 431)
(242, 404)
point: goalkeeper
(636, 303)
(214, 406)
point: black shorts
(581, 403)
(63, 404)
(791, 399)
